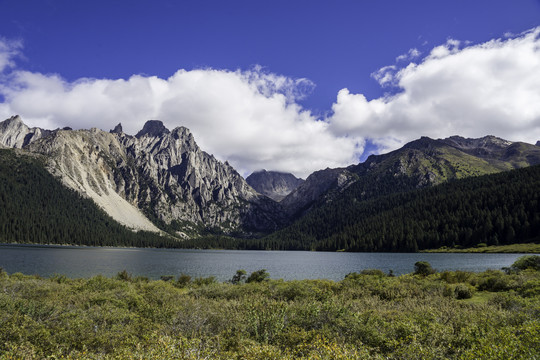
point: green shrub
(239, 277)
(166, 277)
(123, 275)
(202, 281)
(183, 281)
(527, 262)
(455, 277)
(373, 272)
(423, 268)
(494, 283)
(258, 276)
(463, 291)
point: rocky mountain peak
(153, 128)
(489, 143)
(538, 143)
(184, 135)
(117, 129)
(15, 134)
(276, 185)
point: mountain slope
(275, 185)
(500, 208)
(36, 208)
(158, 178)
(421, 163)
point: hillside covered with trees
(493, 209)
(497, 209)
(36, 208)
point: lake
(85, 262)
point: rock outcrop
(15, 134)
(275, 185)
(158, 177)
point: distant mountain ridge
(276, 185)
(420, 163)
(160, 180)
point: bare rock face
(15, 134)
(180, 182)
(275, 185)
(153, 128)
(85, 161)
(157, 175)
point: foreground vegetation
(423, 315)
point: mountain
(275, 185)
(15, 134)
(158, 179)
(495, 209)
(319, 187)
(421, 163)
(36, 208)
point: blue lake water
(289, 265)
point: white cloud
(410, 55)
(252, 118)
(9, 49)
(249, 118)
(490, 88)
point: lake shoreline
(523, 248)
(528, 248)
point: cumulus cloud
(249, 118)
(472, 90)
(253, 119)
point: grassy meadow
(368, 315)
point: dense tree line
(36, 208)
(494, 209)
(374, 214)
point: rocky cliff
(15, 134)
(158, 178)
(275, 185)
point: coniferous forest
(497, 209)
(36, 208)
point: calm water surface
(288, 265)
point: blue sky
(308, 52)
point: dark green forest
(36, 208)
(498, 209)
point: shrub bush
(183, 281)
(123, 275)
(374, 272)
(239, 277)
(527, 262)
(463, 291)
(258, 276)
(423, 268)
